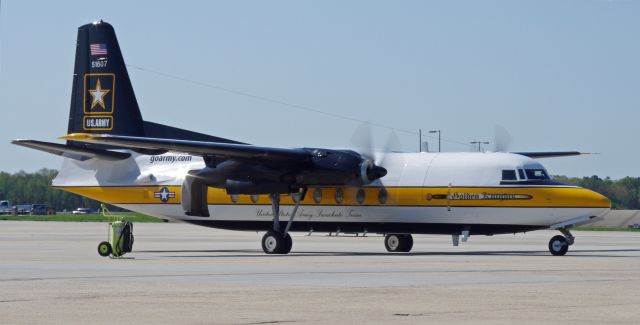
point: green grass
(592, 228)
(133, 217)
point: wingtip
(21, 141)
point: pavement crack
(15, 300)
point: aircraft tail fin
(102, 98)
(103, 102)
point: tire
(104, 249)
(394, 242)
(398, 242)
(289, 244)
(274, 243)
(408, 243)
(558, 245)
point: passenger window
(317, 195)
(339, 195)
(521, 174)
(382, 196)
(509, 175)
(360, 196)
(537, 174)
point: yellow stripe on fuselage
(565, 197)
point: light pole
(439, 142)
(479, 143)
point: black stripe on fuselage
(371, 227)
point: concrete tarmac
(50, 273)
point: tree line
(34, 188)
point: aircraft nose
(596, 200)
(579, 197)
(601, 199)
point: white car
(83, 211)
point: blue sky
(559, 75)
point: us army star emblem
(98, 95)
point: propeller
(501, 139)
(362, 141)
(391, 144)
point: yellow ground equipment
(119, 238)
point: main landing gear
(398, 242)
(559, 245)
(276, 241)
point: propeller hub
(376, 172)
(369, 172)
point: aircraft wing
(551, 154)
(68, 151)
(198, 148)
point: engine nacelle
(341, 167)
(194, 195)
(326, 168)
(197, 182)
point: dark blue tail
(102, 99)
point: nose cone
(599, 199)
(595, 200)
(581, 197)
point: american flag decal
(98, 49)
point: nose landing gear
(559, 245)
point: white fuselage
(428, 192)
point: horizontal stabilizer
(551, 154)
(72, 152)
(199, 148)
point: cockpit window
(509, 175)
(537, 174)
(521, 174)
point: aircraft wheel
(104, 249)
(274, 243)
(289, 244)
(398, 242)
(558, 245)
(409, 243)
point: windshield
(537, 174)
(509, 175)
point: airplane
(112, 155)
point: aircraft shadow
(236, 253)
